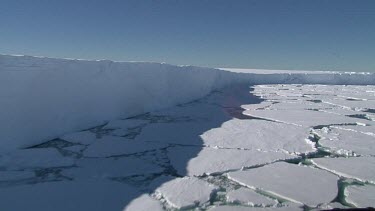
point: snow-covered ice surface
(142, 145)
(215, 160)
(247, 196)
(346, 141)
(361, 196)
(360, 168)
(285, 180)
(187, 192)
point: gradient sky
(268, 34)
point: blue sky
(269, 34)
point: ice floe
(361, 196)
(187, 192)
(210, 161)
(300, 184)
(361, 168)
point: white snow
(187, 192)
(306, 118)
(209, 160)
(299, 184)
(259, 135)
(361, 196)
(238, 208)
(368, 129)
(346, 142)
(249, 197)
(352, 104)
(361, 168)
(144, 203)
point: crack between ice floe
(353, 130)
(270, 194)
(342, 175)
(243, 168)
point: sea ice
(352, 104)
(68, 195)
(368, 129)
(361, 168)
(177, 133)
(114, 146)
(299, 184)
(15, 175)
(361, 196)
(208, 160)
(124, 124)
(260, 106)
(34, 158)
(307, 118)
(238, 208)
(186, 192)
(83, 137)
(346, 142)
(249, 197)
(97, 168)
(144, 203)
(260, 135)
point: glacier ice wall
(43, 98)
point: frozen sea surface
(266, 147)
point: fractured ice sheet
(124, 124)
(75, 148)
(68, 195)
(186, 192)
(361, 196)
(361, 168)
(144, 203)
(305, 118)
(195, 111)
(208, 160)
(352, 104)
(258, 134)
(346, 112)
(299, 184)
(298, 105)
(83, 137)
(346, 142)
(178, 133)
(239, 208)
(34, 158)
(262, 105)
(368, 130)
(15, 175)
(114, 146)
(95, 168)
(249, 197)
